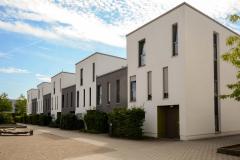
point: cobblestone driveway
(54, 144)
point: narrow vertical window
(67, 100)
(108, 93)
(118, 91)
(81, 76)
(93, 71)
(60, 83)
(90, 97)
(174, 39)
(133, 88)
(165, 82)
(216, 83)
(141, 53)
(52, 103)
(77, 98)
(54, 87)
(71, 99)
(149, 85)
(84, 98)
(99, 95)
(57, 102)
(38, 93)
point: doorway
(168, 121)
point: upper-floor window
(149, 85)
(108, 92)
(77, 98)
(133, 88)
(81, 76)
(57, 102)
(67, 100)
(84, 98)
(99, 94)
(165, 82)
(38, 93)
(90, 96)
(141, 53)
(118, 91)
(71, 99)
(62, 101)
(60, 83)
(54, 87)
(93, 71)
(175, 39)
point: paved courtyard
(54, 144)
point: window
(52, 103)
(93, 71)
(174, 39)
(216, 80)
(62, 101)
(57, 102)
(90, 97)
(108, 93)
(77, 98)
(149, 85)
(141, 52)
(84, 98)
(54, 87)
(81, 76)
(118, 91)
(165, 82)
(67, 100)
(133, 88)
(99, 94)
(71, 99)
(38, 93)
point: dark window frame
(108, 92)
(99, 96)
(83, 97)
(141, 53)
(175, 39)
(93, 71)
(165, 86)
(118, 91)
(77, 98)
(149, 85)
(90, 96)
(81, 76)
(133, 82)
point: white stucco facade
(31, 94)
(103, 64)
(59, 81)
(190, 73)
(44, 88)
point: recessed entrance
(168, 121)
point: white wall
(62, 80)
(44, 89)
(31, 94)
(103, 64)
(158, 37)
(190, 73)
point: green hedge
(35, 119)
(44, 120)
(127, 123)
(70, 122)
(6, 118)
(96, 121)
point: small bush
(127, 123)
(17, 119)
(70, 122)
(53, 124)
(96, 121)
(35, 119)
(6, 118)
(44, 120)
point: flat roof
(104, 54)
(178, 6)
(61, 73)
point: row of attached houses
(173, 71)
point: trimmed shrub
(6, 118)
(96, 121)
(44, 120)
(35, 119)
(127, 123)
(70, 122)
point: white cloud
(12, 70)
(105, 21)
(43, 78)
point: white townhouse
(44, 89)
(58, 82)
(31, 100)
(86, 72)
(176, 74)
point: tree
(233, 57)
(5, 104)
(21, 105)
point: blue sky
(40, 38)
